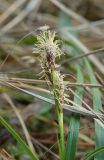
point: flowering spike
(48, 49)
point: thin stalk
(59, 112)
(48, 49)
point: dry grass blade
(73, 59)
(80, 28)
(85, 85)
(10, 10)
(5, 155)
(82, 47)
(77, 17)
(45, 148)
(24, 81)
(25, 86)
(28, 138)
(73, 109)
(30, 6)
(68, 11)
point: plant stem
(49, 49)
(59, 111)
(61, 137)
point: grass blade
(74, 122)
(75, 119)
(97, 104)
(77, 110)
(94, 153)
(18, 138)
(97, 107)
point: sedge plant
(48, 49)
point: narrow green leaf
(94, 153)
(97, 104)
(74, 122)
(75, 119)
(18, 138)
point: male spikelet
(48, 49)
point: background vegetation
(28, 119)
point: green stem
(61, 137)
(59, 112)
